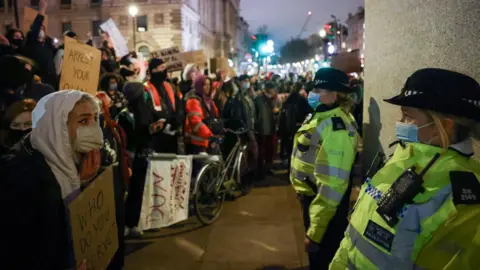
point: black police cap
(442, 91)
(332, 79)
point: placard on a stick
(194, 57)
(94, 229)
(80, 68)
(171, 56)
(29, 15)
(347, 62)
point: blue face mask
(313, 100)
(245, 85)
(409, 132)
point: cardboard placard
(94, 229)
(198, 58)
(171, 56)
(347, 62)
(80, 68)
(166, 195)
(29, 15)
(118, 41)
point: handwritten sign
(80, 68)
(166, 195)
(29, 15)
(94, 229)
(171, 56)
(118, 41)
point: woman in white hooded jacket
(41, 174)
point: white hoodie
(50, 136)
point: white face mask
(88, 138)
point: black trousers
(133, 204)
(332, 237)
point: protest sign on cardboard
(29, 15)
(118, 41)
(171, 56)
(166, 194)
(347, 62)
(80, 68)
(198, 58)
(94, 229)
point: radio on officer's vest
(402, 191)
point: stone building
(356, 33)
(244, 40)
(210, 25)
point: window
(96, 28)
(65, 3)
(66, 26)
(34, 3)
(142, 23)
(145, 51)
(96, 2)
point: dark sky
(285, 18)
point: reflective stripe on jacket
(195, 128)
(432, 233)
(323, 155)
(156, 98)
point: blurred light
(255, 64)
(249, 60)
(230, 63)
(349, 50)
(55, 40)
(232, 49)
(268, 59)
(288, 65)
(331, 49)
(307, 61)
(269, 66)
(133, 10)
(254, 37)
(316, 66)
(250, 67)
(141, 29)
(303, 62)
(270, 43)
(361, 56)
(280, 66)
(322, 33)
(312, 60)
(344, 45)
(325, 64)
(362, 65)
(338, 32)
(266, 49)
(317, 57)
(256, 54)
(329, 43)
(309, 13)
(274, 66)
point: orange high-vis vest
(156, 99)
(195, 129)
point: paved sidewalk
(262, 230)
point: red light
(254, 37)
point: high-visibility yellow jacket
(439, 230)
(323, 155)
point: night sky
(285, 18)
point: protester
(65, 136)
(60, 52)
(114, 154)
(16, 123)
(16, 41)
(188, 75)
(16, 77)
(202, 121)
(167, 114)
(111, 84)
(265, 126)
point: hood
(198, 84)
(50, 136)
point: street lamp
(322, 33)
(133, 11)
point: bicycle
(212, 181)
(217, 178)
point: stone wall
(403, 36)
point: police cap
(442, 91)
(332, 79)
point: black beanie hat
(155, 62)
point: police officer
(422, 209)
(323, 154)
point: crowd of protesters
(54, 143)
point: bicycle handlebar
(239, 132)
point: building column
(404, 36)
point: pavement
(262, 230)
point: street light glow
(331, 49)
(133, 10)
(322, 33)
(309, 13)
(270, 43)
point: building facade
(243, 42)
(356, 31)
(210, 25)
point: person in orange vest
(165, 107)
(202, 121)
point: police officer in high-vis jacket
(422, 209)
(323, 154)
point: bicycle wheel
(209, 197)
